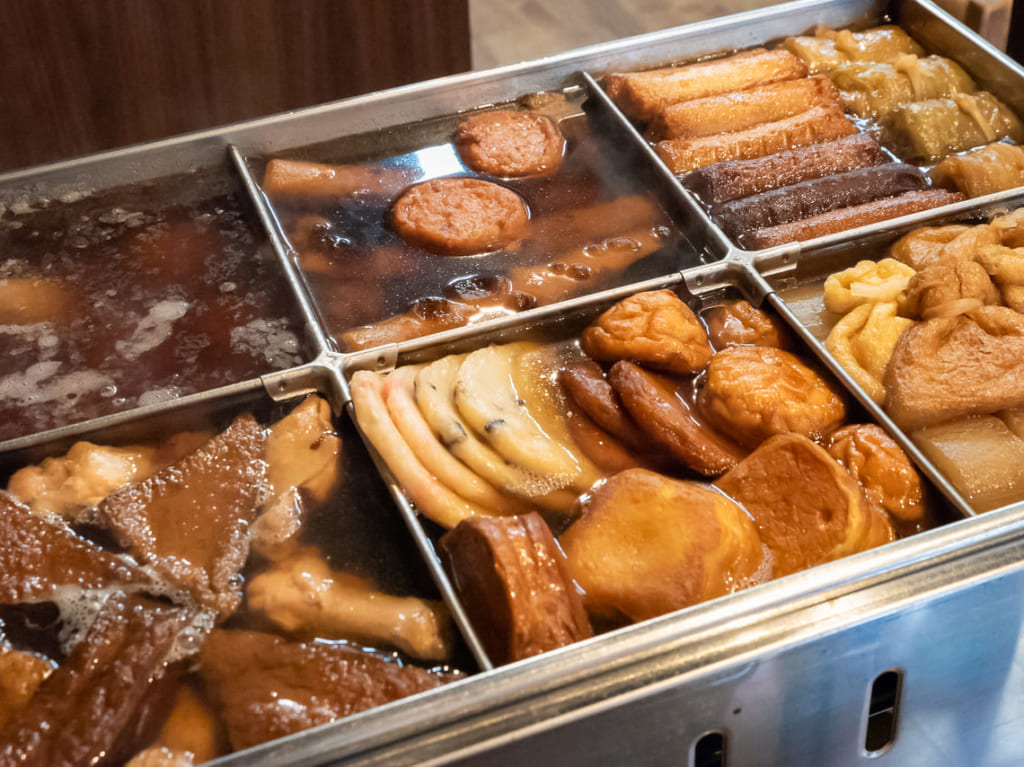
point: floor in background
(506, 31)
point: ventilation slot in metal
(709, 750)
(883, 707)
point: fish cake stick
(809, 198)
(740, 110)
(642, 95)
(850, 218)
(309, 180)
(732, 179)
(814, 125)
(431, 498)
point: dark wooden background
(77, 76)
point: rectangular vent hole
(709, 750)
(883, 707)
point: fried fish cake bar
(744, 109)
(814, 125)
(829, 48)
(309, 180)
(642, 95)
(850, 218)
(809, 198)
(732, 179)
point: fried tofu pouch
(646, 545)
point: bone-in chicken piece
(266, 687)
(87, 709)
(513, 580)
(40, 555)
(88, 473)
(303, 461)
(303, 595)
(190, 521)
(21, 673)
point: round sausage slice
(460, 216)
(510, 144)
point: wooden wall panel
(83, 75)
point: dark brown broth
(160, 300)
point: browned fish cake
(510, 143)
(738, 323)
(654, 328)
(662, 411)
(754, 392)
(646, 545)
(460, 216)
(589, 389)
(883, 470)
(808, 509)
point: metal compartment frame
(783, 670)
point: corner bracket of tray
(777, 262)
(382, 359)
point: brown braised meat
(654, 328)
(39, 555)
(737, 323)
(191, 520)
(266, 687)
(87, 710)
(753, 392)
(808, 509)
(662, 410)
(944, 368)
(646, 544)
(512, 578)
(505, 142)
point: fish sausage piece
(740, 110)
(809, 198)
(810, 127)
(732, 179)
(850, 218)
(642, 95)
